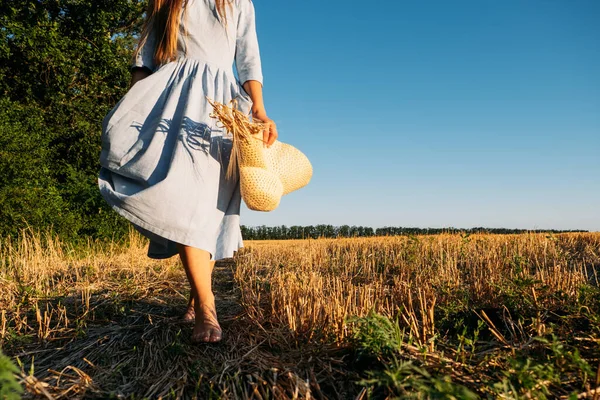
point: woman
(164, 158)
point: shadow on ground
(138, 347)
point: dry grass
(314, 285)
(309, 318)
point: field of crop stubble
(445, 316)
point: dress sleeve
(247, 55)
(145, 56)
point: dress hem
(161, 232)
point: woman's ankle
(205, 299)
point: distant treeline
(330, 231)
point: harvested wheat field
(445, 316)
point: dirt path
(228, 306)
(133, 344)
(137, 346)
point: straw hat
(266, 173)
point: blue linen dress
(164, 159)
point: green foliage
(536, 370)
(527, 377)
(406, 381)
(9, 387)
(28, 193)
(63, 66)
(376, 336)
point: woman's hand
(254, 90)
(270, 132)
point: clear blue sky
(437, 113)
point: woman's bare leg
(190, 314)
(198, 269)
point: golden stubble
(312, 286)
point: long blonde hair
(162, 21)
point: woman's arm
(248, 65)
(143, 59)
(137, 74)
(254, 90)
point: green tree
(63, 65)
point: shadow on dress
(158, 140)
(195, 137)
